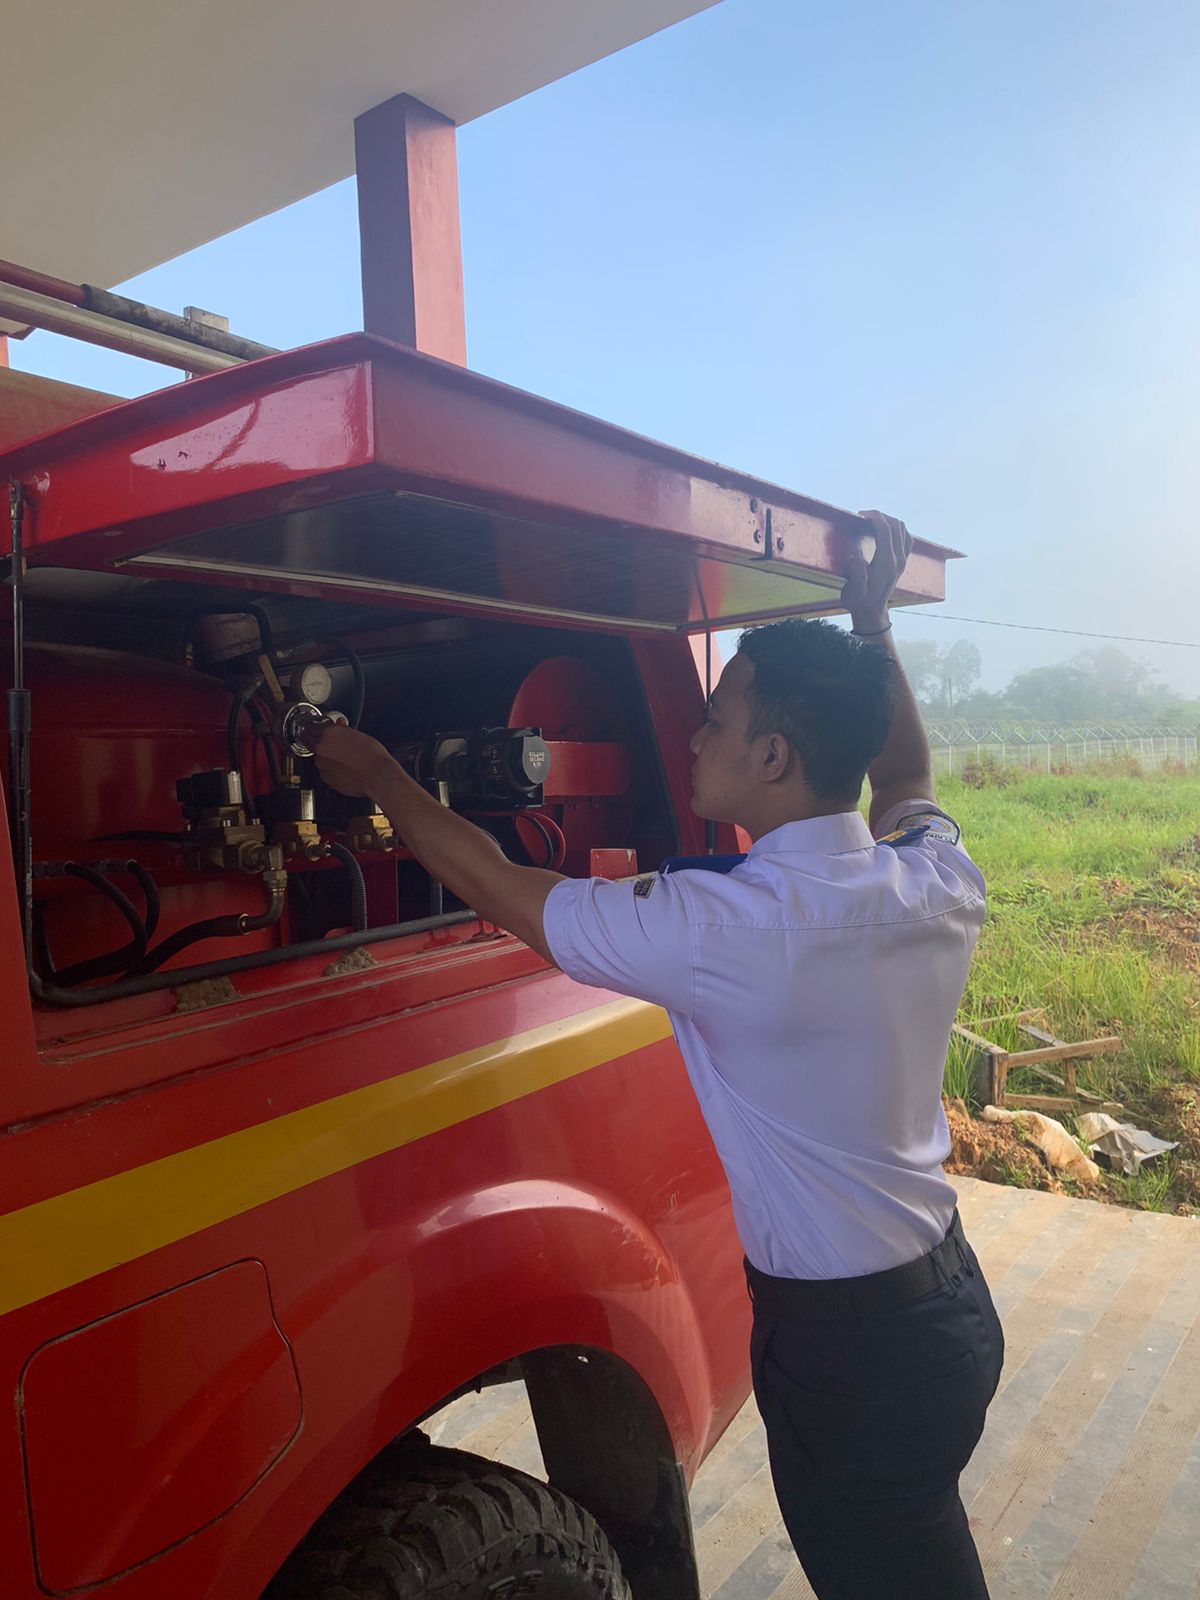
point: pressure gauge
(313, 683)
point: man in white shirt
(811, 986)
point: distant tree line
(1099, 685)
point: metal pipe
(42, 283)
(120, 308)
(56, 316)
(136, 312)
(710, 827)
(73, 999)
(19, 726)
(16, 576)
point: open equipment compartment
(463, 570)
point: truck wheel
(431, 1522)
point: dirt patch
(1174, 935)
(995, 1152)
(1172, 1111)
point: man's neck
(797, 810)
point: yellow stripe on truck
(74, 1236)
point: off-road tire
(442, 1524)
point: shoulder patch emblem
(642, 887)
(936, 826)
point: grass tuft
(1094, 916)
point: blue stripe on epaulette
(909, 836)
(700, 864)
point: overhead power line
(1033, 627)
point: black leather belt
(824, 1299)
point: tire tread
(445, 1524)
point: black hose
(298, 890)
(358, 886)
(145, 883)
(262, 726)
(41, 944)
(228, 927)
(87, 874)
(126, 988)
(265, 632)
(233, 754)
(225, 927)
(547, 838)
(124, 959)
(245, 699)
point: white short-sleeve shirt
(812, 990)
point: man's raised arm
(902, 770)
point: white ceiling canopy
(132, 132)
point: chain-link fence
(1048, 747)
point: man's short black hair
(827, 692)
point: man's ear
(777, 758)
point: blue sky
(937, 258)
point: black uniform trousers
(873, 1392)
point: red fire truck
(294, 1148)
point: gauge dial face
(314, 683)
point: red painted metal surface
(578, 767)
(407, 173)
(564, 1217)
(359, 416)
(30, 405)
(111, 1484)
(588, 1211)
(111, 735)
(588, 790)
(613, 864)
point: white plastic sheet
(1124, 1145)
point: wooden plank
(1064, 1052)
(1046, 1075)
(1039, 1102)
(1010, 1016)
(978, 1040)
(1097, 1102)
(1040, 1034)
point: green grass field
(1094, 915)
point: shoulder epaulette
(904, 836)
(700, 864)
